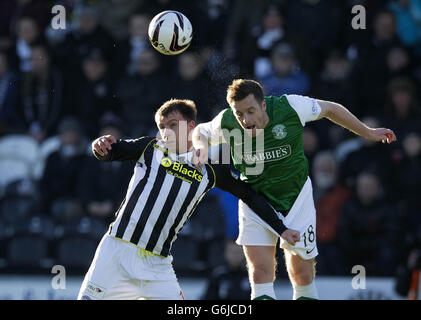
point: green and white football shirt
(273, 162)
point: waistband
(141, 252)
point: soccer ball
(170, 32)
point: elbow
(328, 109)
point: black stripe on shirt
(171, 233)
(160, 223)
(131, 204)
(150, 202)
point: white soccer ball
(170, 32)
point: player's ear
(264, 105)
(192, 124)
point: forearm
(261, 207)
(343, 117)
(123, 150)
(243, 191)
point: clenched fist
(291, 236)
(102, 144)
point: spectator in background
(370, 73)
(6, 7)
(88, 35)
(113, 15)
(129, 49)
(142, 93)
(399, 63)
(40, 97)
(210, 19)
(58, 184)
(285, 76)
(93, 95)
(314, 26)
(408, 271)
(99, 186)
(191, 82)
(375, 157)
(229, 281)
(27, 34)
(324, 173)
(369, 228)
(238, 43)
(406, 186)
(39, 10)
(407, 180)
(333, 83)
(8, 94)
(330, 196)
(408, 21)
(402, 110)
(266, 36)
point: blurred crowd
(60, 89)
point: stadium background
(59, 89)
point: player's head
(176, 119)
(247, 102)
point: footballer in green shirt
(265, 139)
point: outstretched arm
(343, 117)
(108, 148)
(226, 182)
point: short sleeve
(308, 109)
(213, 130)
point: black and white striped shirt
(164, 191)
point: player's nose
(164, 134)
(246, 120)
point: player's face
(176, 131)
(250, 114)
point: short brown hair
(186, 107)
(241, 88)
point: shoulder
(227, 119)
(307, 108)
(145, 139)
(141, 141)
(225, 114)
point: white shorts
(253, 231)
(121, 270)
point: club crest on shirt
(279, 131)
(166, 162)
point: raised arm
(226, 182)
(343, 117)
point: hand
(291, 236)
(103, 144)
(200, 157)
(382, 134)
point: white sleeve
(213, 130)
(308, 109)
